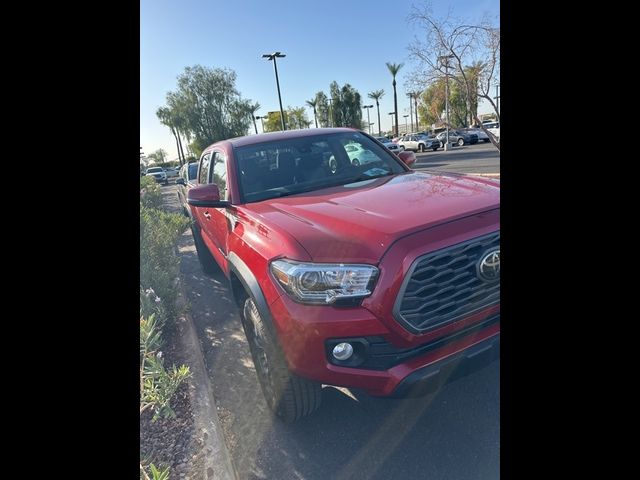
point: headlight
(324, 283)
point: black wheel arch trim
(252, 287)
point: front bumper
(429, 378)
(306, 332)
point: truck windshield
(291, 166)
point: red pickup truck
(364, 275)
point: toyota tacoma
(372, 276)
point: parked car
(482, 137)
(458, 137)
(419, 143)
(493, 127)
(372, 276)
(171, 171)
(187, 178)
(359, 155)
(393, 147)
(158, 173)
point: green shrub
(159, 265)
(157, 384)
(150, 193)
(159, 268)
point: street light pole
(273, 56)
(497, 100)
(261, 121)
(405, 123)
(411, 111)
(392, 114)
(415, 100)
(446, 95)
(368, 117)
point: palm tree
(393, 69)
(253, 109)
(165, 116)
(312, 103)
(377, 95)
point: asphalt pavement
(451, 434)
(478, 158)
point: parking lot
(453, 433)
(478, 158)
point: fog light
(343, 351)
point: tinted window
(193, 171)
(220, 173)
(203, 175)
(155, 170)
(303, 164)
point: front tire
(290, 397)
(207, 262)
(355, 162)
(460, 142)
(421, 148)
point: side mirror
(180, 181)
(408, 157)
(206, 196)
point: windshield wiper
(364, 177)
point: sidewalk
(211, 460)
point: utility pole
(411, 111)
(497, 100)
(273, 56)
(368, 119)
(446, 96)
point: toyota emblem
(489, 266)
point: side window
(220, 173)
(203, 174)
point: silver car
(419, 143)
(393, 147)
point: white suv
(158, 173)
(493, 127)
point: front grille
(442, 286)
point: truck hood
(358, 222)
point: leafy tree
(394, 68)
(312, 103)
(166, 117)
(178, 111)
(273, 123)
(253, 109)
(158, 156)
(462, 110)
(347, 106)
(377, 95)
(297, 118)
(432, 103)
(322, 108)
(207, 107)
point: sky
(348, 41)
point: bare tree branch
(472, 51)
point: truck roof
(275, 136)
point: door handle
(208, 215)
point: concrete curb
(214, 462)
